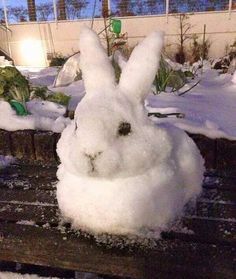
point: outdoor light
(32, 52)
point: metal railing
(14, 11)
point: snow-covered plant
(168, 77)
(14, 86)
(59, 97)
(44, 94)
(120, 173)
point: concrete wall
(31, 42)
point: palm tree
(31, 10)
(61, 9)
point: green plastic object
(116, 26)
(18, 107)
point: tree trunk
(32, 10)
(61, 10)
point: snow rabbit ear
(138, 74)
(97, 71)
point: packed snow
(120, 174)
(43, 115)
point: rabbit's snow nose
(92, 158)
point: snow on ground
(10, 275)
(44, 116)
(209, 108)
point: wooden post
(55, 10)
(167, 10)
(230, 8)
(31, 10)
(62, 10)
(5, 12)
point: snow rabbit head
(111, 135)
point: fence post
(167, 10)
(55, 10)
(230, 8)
(109, 6)
(5, 12)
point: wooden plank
(211, 230)
(45, 147)
(218, 195)
(197, 228)
(48, 247)
(29, 212)
(27, 183)
(205, 208)
(22, 145)
(221, 183)
(226, 155)
(30, 196)
(29, 171)
(5, 143)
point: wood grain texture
(201, 245)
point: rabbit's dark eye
(124, 129)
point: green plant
(199, 50)
(184, 27)
(57, 60)
(39, 92)
(59, 97)
(167, 77)
(44, 94)
(14, 86)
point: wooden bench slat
(218, 195)
(27, 183)
(21, 196)
(29, 171)
(35, 213)
(215, 209)
(197, 228)
(221, 183)
(36, 245)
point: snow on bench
(203, 242)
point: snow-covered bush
(119, 172)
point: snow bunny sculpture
(120, 173)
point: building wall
(31, 42)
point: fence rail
(14, 11)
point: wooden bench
(202, 246)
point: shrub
(58, 60)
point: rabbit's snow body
(119, 172)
